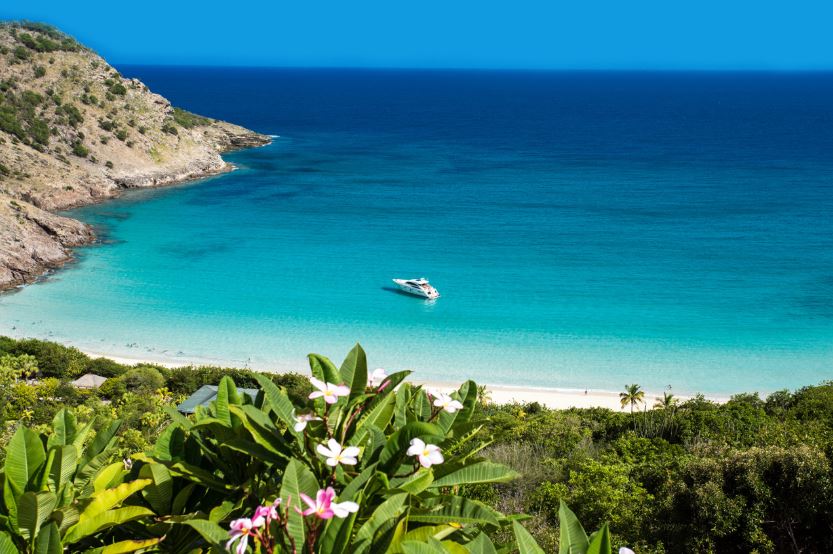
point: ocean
(585, 230)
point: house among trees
(89, 381)
(205, 395)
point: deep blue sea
(586, 230)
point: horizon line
(483, 69)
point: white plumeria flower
(428, 454)
(626, 550)
(341, 509)
(447, 403)
(336, 454)
(377, 377)
(302, 420)
(329, 391)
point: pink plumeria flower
(377, 377)
(322, 505)
(428, 454)
(447, 403)
(329, 391)
(336, 454)
(302, 420)
(268, 512)
(240, 530)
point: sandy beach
(560, 399)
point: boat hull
(431, 293)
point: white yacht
(419, 287)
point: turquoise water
(585, 231)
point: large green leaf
(24, 456)
(122, 547)
(297, 479)
(262, 430)
(379, 416)
(481, 544)
(49, 540)
(109, 476)
(428, 546)
(159, 494)
(399, 442)
(6, 544)
(572, 538)
(425, 532)
(388, 511)
(171, 443)
(323, 369)
(454, 510)
(64, 463)
(106, 499)
(85, 475)
(210, 531)
(63, 429)
(526, 544)
(92, 525)
(226, 394)
(449, 475)
(103, 441)
(600, 542)
(416, 483)
(81, 436)
(278, 401)
(354, 371)
(32, 510)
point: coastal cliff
(73, 131)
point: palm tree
(484, 395)
(667, 402)
(633, 395)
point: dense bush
(188, 120)
(53, 360)
(267, 473)
(749, 475)
(118, 89)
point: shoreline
(164, 180)
(550, 397)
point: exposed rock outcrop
(73, 131)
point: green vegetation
(117, 89)
(18, 115)
(750, 475)
(398, 485)
(189, 120)
(45, 38)
(79, 149)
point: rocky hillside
(74, 131)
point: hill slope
(73, 131)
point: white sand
(560, 399)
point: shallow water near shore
(586, 230)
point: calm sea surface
(584, 229)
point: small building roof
(205, 395)
(89, 381)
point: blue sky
(575, 34)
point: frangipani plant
(369, 464)
(64, 490)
